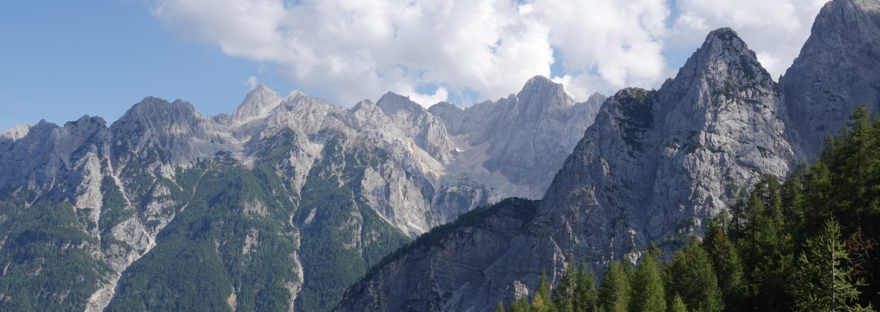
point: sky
(60, 60)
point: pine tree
(520, 305)
(677, 305)
(725, 259)
(586, 295)
(614, 293)
(823, 281)
(542, 302)
(648, 291)
(499, 307)
(692, 277)
(565, 292)
(767, 248)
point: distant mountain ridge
(333, 189)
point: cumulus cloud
(775, 29)
(348, 50)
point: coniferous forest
(805, 243)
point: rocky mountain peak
(157, 112)
(542, 93)
(722, 57)
(843, 41)
(257, 103)
(392, 103)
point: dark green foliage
(541, 302)
(520, 305)
(334, 222)
(42, 268)
(824, 281)
(615, 292)
(564, 296)
(199, 260)
(725, 260)
(677, 305)
(113, 211)
(586, 295)
(500, 307)
(692, 277)
(648, 290)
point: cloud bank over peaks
(472, 50)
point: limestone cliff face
(835, 72)
(519, 142)
(654, 164)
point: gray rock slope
(520, 140)
(392, 163)
(835, 72)
(653, 165)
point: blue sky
(64, 59)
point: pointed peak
(258, 102)
(540, 82)
(261, 88)
(723, 56)
(540, 92)
(724, 41)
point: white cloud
(252, 82)
(775, 29)
(348, 50)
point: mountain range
(292, 186)
(653, 167)
(287, 202)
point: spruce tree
(499, 307)
(824, 281)
(520, 305)
(767, 248)
(566, 290)
(541, 302)
(725, 260)
(614, 293)
(677, 304)
(648, 291)
(692, 277)
(586, 295)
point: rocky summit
(653, 167)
